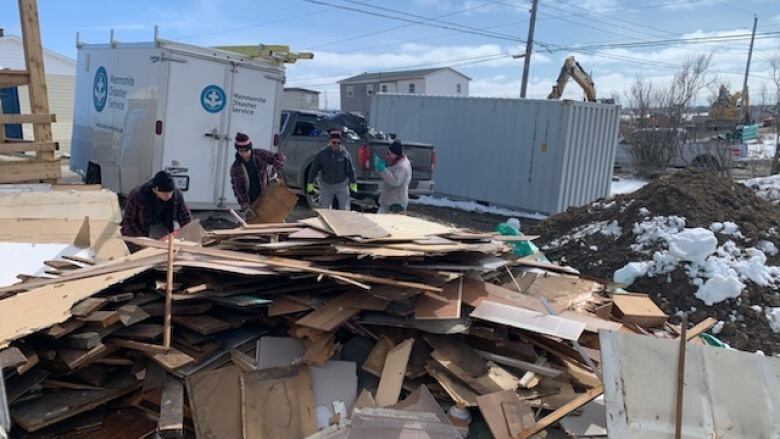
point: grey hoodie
(395, 183)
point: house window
(411, 88)
(350, 91)
(384, 88)
(370, 89)
(457, 88)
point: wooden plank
(131, 314)
(434, 308)
(348, 223)
(492, 407)
(680, 381)
(33, 57)
(529, 320)
(277, 404)
(25, 118)
(63, 404)
(283, 306)
(592, 322)
(171, 421)
(83, 340)
(11, 358)
(24, 171)
(171, 360)
(75, 358)
(638, 309)
(393, 373)
(17, 386)
(137, 346)
(700, 328)
(58, 331)
(216, 418)
(87, 306)
(143, 331)
(13, 147)
(331, 315)
(104, 319)
(456, 389)
(274, 205)
(375, 362)
(321, 349)
(13, 78)
(476, 291)
(556, 415)
(202, 324)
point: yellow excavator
(572, 69)
(727, 106)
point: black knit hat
(163, 182)
(397, 147)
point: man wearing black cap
(338, 175)
(396, 172)
(153, 207)
(249, 173)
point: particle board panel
(375, 362)
(476, 291)
(529, 320)
(429, 307)
(22, 171)
(638, 309)
(329, 316)
(494, 408)
(277, 404)
(348, 223)
(592, 322)
(216, 418)
(393, 373)
(456, 389)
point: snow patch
(718, 327)
(631, 272)
(611, 229)
(644, 211)
(719, 288)
(693, 245)
(767, 188)
(626, 185)
(768, 247)
(472, 206)
(773, 317)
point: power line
(249, 26)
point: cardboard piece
(216, 418)
(638, 309)
(274, 205)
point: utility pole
(529, 47)
(745, 94)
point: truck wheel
(705, 163)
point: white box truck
(145, 107)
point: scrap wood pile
(339, 326)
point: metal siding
(491, 150)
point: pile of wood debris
(344, 325)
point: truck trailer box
(144, 107)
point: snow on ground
(719, 272)
(606, 228)
(472, 206)
(626, 185)
(767, 188)
(763, 150)
(773, 317)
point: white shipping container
(533, 155)
(145, 107)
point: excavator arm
(572, 69)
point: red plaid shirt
(136, 220)
(239, 177)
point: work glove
(379, 164)
(310, 188)
(353, 187)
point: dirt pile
(602, 237)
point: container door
(255, 110)
(194, 126)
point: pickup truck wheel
(705, 163)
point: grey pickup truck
(304, 133)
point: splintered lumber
(393, 374)
(216, 418)
(348, 223)
(700, 328)
(320, 349)
(66, 403)
(505, 413)
(444, 306)
(171, 421)
(638, 309)
(456, 389)
(168, 296)
(556, 415)
(277, 403)
(376, 358)
(529, 320)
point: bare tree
(774, 110)
(657, 128)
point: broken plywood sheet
(334, 381)
(104, 236)
(563, 291)
(393, 373)
(348, 223)
(455, 388)
(277, 404)
(727, 393)
(278, 351)
(529, 320)
(591, 321)
(329, 316)
(383, 423)
(49, 305)
(505, 413)
(30, 258)
(100, 205)
(441, 306)
(476, 291)
(407, 228)
(216, 418)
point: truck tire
(92, 176)
(705, 163)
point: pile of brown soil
(701, 199)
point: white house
(60, 83)
(300, 99)
(356, 91)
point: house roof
(302, 90)
(55, 63)
(397, 75)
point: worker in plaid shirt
(249, 174)
(153, 207)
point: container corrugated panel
(535, 155)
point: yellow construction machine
(572, 69)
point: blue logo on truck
(100, 89)
(213, 99)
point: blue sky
(347, 42)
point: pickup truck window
(306, 126)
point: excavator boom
(572, 69)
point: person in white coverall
(396, 172)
